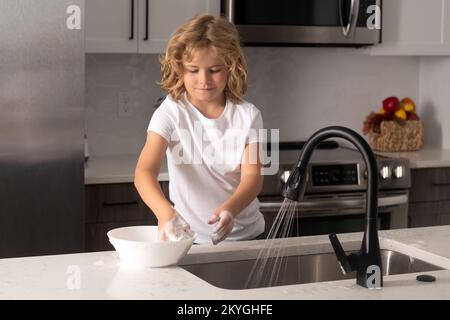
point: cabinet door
(115, 202)
(415, 27)
(110, 206)
(429, 185)
(426, 214)
(111, 26)
(158, 19)
(429, 197)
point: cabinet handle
(441, 184)
(126, 203)
(132, 20)
(146, 20)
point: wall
(298, 90)
(301, 90)
(435, 100)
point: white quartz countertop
(115, 169)
(426, 157)
(98, 275)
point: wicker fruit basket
(395, 127)
(396, 137)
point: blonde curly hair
(204, 31)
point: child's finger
(219, 228)
(213, 219)
(162, 235)
(216, 238)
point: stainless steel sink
(297, 270)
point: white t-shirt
(203, 158)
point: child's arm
(251, 181)
(146, 177)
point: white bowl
(138, 246)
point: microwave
(306, 22)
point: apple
(389, 115)
(408, 105)
(391, 104)
(412, 116)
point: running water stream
(271, 261)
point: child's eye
(192, 71)
(215, 70)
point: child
(209, 134)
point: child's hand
(175, 229)
(224, 227)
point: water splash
(271, 262)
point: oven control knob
(385, 172)
(399, 172)
(285, 176)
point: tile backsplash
(108, 130)
(298, 91)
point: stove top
(297, 145)
(334, 168)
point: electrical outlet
(125, 104)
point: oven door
(305, 22)
(334, 213)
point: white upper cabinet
(111, 26)
(164, 16)
(415, 27)
(138, 26)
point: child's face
(205, 77)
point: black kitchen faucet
(367, 262)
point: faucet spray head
(295, 186)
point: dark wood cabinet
(429, 199)
(110, 206)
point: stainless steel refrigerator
(41, 128)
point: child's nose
(205, 77)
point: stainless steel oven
(335, 196)
(306, 22)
